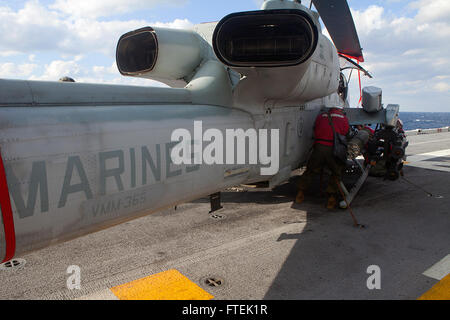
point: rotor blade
(338, 19)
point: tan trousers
(322, 157)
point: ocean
(425, 120)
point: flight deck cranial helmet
(66, 79)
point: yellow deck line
(167, 285)
(441, 291)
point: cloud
(442, 87)
(406, 54)
(35, 28)
(369, 20)
(67, 43)
(102, 70)
(432, 11)
(9, 53)
(103, 8)
(31, 28)
(409, 54)
(77, 69)
(58, 69)
(86, 35)
(258, 3)
(13, 70)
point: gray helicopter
(244, 95)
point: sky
(406, 43)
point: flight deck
(262, 245)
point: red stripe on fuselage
(8, 219)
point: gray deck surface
(267, 247)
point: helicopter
(240, 108)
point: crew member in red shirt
(322, 155)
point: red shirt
(323, 132)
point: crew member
(66, 79)
(322, 155)
(367, 128)
(371, 134)
(400, 128)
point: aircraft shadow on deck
(407, 232)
